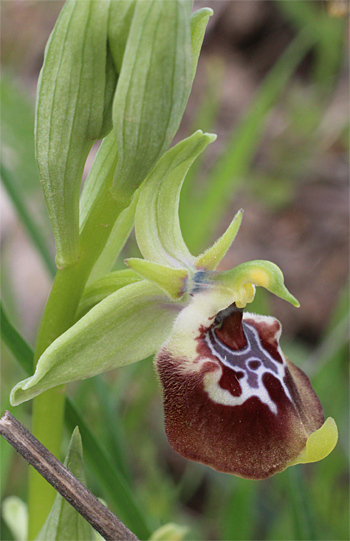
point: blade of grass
(242, 498)
(105, 469)
(234, 164)
(20, 349)
(31, 227)
(304, 521)
(204, 120)
(329, 32)
(113, 425)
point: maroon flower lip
(246, 409)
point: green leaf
(74, 97)
(126, 327)
(157, 224)
(172, 281)
(107, 473)
(105, 469)
(99, 289)
(153, 89)
(64, 522)
(15, 514)
(170, 532)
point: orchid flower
(232, 400)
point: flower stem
(59, 314)
(48, 408)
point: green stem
(59, 314)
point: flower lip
(243, 407)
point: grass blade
(32, 229)
(234, 164)
(303, 519)
(105, 469)
(16, 344)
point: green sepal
(71, 110)
(64, 522)
(99, 289)
(125, 327)
(199, 21)
(241, 279)
(210, 259)
(157, 223)
(172, 281)
(153, 89)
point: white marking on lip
(239, 360)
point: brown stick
(97, 514)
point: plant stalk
(59, 316)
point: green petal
(157, 224)
(210, 259)
(242, 279)
(172, 281)
(126, 327)
(64, 522)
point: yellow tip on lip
(319, 444)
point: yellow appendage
(319, 444)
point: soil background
(305, 231)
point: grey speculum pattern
(248, 359)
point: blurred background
(273, 83)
